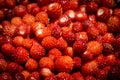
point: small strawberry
(68, 51)
(25, 74)
(46, 62)
(5, 76)
(77, 76)
(64, 64)
(3, 65)
(70, 14)
(52, 77)
(16, 21)
(110, 59)
(49, 42)
(37, 51)
(77, 63)
(77, 27)
(61, 43)
(34, 76)
(27, 43)
(20, 55)
(90, 78)
(31, 64)
(81, 36)
(54, 53)
(63, 76)
(18, 40)
(18, 76)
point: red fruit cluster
(59, 40)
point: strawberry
(34, 76)
(31, 64)
(18, 40)
(37, 51)
(20, 55)
(18, 76)
(77, 27)
(49, 42)
(46, 72)
(63, 76)
(68, 51)
(25, 74)
(46, 62)
(54, 53)
(64, 64)
(61, 43)
(90, 78)
(3, 65)
(27, 43)
(81, 36)
(16, 21)
(52, 77)
(77, 76)
(77, 63)
(5, 76)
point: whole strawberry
(63, 76)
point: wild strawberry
(16, 21)
(18, 76)
(34, 76)
(103, 14)
(56, 30)
(54, 10)
(28, 19)
(81, 36)
(42, 17)
(31, 64)
(76, 76)
(87, 23)
(77, 27)
(37, 51)
(54, 53)
(69, 36)
(46, 72)
(64, 64)
(5, 76)
(110, 59)
(46, 62)
(7, 49)
(94, 47)
(108, 3)
(90, 78)
(102, 27)
(12, 68)
(31, 6)
(70, 14)
(52, 77)
(25, 74)
(79, 47)
(20, 55)
(63, 76)
(49, 42)
(91, 8)
(113, 24)
(18, 40)
(61, 43)
(92, 18)
(77, 63)
(90, 68)
(41, 33)
(27, 43)
(68, 51)
(3, 65)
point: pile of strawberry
(59, 40)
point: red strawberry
(16, 21)
(7, 49)
(68, 51)
(77, 63)
(25, 73)
(64, 64)
(5, 76)
(18, 76)
(52, 77)
(49, 42)
(18, 40)
(70, 14)
(90, 78)
(61, 43)
(77, 27)
(31, 64)
(27, 43)
(37, 51)
(63, 76)
(46, 62)
(81, 36)
(110, 59)
(20, 55)
(3, 65)
(90, 68)
(54, 54)
(34, 76)
(76, 76)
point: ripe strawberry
(42, 17)
(68, 51)
(3, 65)
(79, 47)
(27, 43)
(77, 27)
(94, 47)
(102, 27)
(54, 10)
(20, 55)
(110, 59)
(37, 51)
(31, 65)
(41, 33)
(90, 68)
(34, 76)
(18, 40)
(81, 36)
(46, 62)
(54, 53)
(64, 64)
(92, 18)
(5, 76)
(56, 30)
(12, 68)
(7, 49)
(49, 42)
(18, 76)
(69, 36)
(77, 63)
(76, 76)
(70, 14)
(52, 77)
(16, 21)
(90, 78)
(61, 43)
(63, 76)
(113, 24)
(25, 74)
(91, 8)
